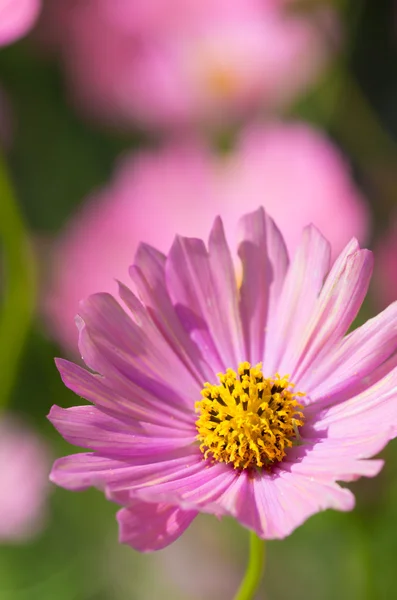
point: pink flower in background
(179, 568)
(175, 364)
(385, 276)
(17, 18)
(293, 170)
(168, 63)
(24, 465)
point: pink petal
(196, 485)
(355, 357)
(274, 504)
(126, 381)
(265, 260)
(337, 306)
(148, 527)
(186, 480)
(337, 458)
(148, 276)
(377, 374)
(80, 471)
(206, 308)
(224, 276)
(136, 404)
(88, 427)
(374, 408)
(130, 382)
(284, 502)
(297, 302)
(353, 388)
(142, 353)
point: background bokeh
(105, 144)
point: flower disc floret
(248, 420)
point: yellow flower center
(248, 420)
(222, 81)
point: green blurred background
(54, 161)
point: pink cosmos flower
(292, 169)
(24, 464)
(246, 400)
(174, 64)
(16, 18)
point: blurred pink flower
(385, 274)
(24, 466)
(174, 63)
(293, 170)
(16, 18)
(179, 568)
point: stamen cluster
(248, 420)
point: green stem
(17, 284)
(253, 574)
